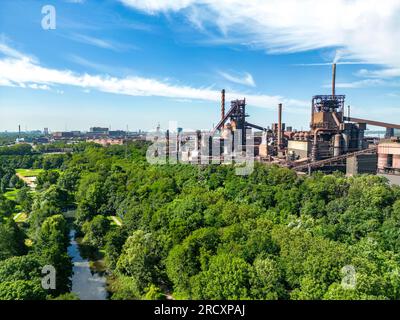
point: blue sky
(138, 63)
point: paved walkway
(30, 181)
(116, 220)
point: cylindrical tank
(382, 161)
(306, 136)
(301, 135)
(222, 104)
(314, 153)
(346, 142)
(360, 139)
(336, 145)
(280, 129)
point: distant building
(107, 141)
(46, 131)
(62, 135)
(99, 130)
(76, 133)
(389, 156)
(117, 133)
(41, 140)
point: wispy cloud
(101, 43)
(359, 84)
(387, 77)
(357, 31)
(330, 63)
(365, 30)
(155, 6)
(366, 83)
(104, 68)
(244, 79)
(23, 72)
(93, 41)
(7, 50)
(383, 73)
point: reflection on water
(88, 285)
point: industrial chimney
(333, 79)
(222, 104)
(279, 126)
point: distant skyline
(139, 63)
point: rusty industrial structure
(335, 140)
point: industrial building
(58, 135)
(107, 141)
(335, 140)
(389, 156)
(99, 130)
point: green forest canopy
(204, 232)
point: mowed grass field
(115, 221)
(21, 217)
(11, 194)
(29, 172)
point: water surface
(86, 283)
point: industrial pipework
(334, 79)
(222, 104)
(279, 126)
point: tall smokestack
(279, 126)
(167, 146)
(19, 131)
(333, 79)
(222, 104)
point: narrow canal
(87, 284)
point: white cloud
(383, 73)
(18, 70)
(39, 86)
(153, 6)
(244, 79)
(359, 84)
(366, 30)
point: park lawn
(29, 172)
(20, 217)
(115, 221)
(11, 194)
